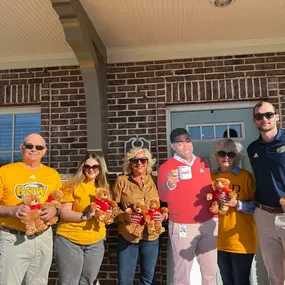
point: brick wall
(139, 92)
(59, 91)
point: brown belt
(270, 209)
(12, 231)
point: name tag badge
(182, 230)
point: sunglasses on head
(31, 146)
(136, 160)
(94, 167)
(260, 116)
(224, 154)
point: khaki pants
(200, 241)
(271, 235)
(25, 260)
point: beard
(266, 128)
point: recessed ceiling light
(221, 3)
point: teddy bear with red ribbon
(155, 227)
(107, 208)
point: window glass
(14, 128)
(5, 158)
(17, 156)
(221, 131)
(6, 123)
(26, 124)
(207, 132)
(235, 131)
(194, 132)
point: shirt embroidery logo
(256, 155)
(202, 170)
(32, 187)
(281, 149)
(33, 177)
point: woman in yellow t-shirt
(79, 247)
(237, 239)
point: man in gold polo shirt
(25, 260)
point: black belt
(12, 231)
(17, 232)
(269, 209)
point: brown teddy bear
(154, 227)
(33, 222)
(137, 229)
(220, 187)
(108, 208)
(54, 199)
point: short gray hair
(227, 145)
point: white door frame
(201, 107)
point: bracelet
(83, 217)
(238, 205)
(57, 212)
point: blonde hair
(227, 145)
(132, 153)
(79, 176)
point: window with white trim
(16, 124)
(217, 131)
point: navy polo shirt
(268, 163)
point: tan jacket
(126, 192)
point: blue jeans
(235, 267)
(127, 255)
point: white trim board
(195, 50)
(38, 60)
(20, 110)
(201, 107)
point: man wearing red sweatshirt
(192, 228)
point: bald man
(25, 259)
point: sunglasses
(31, 146)
(136, 160)
(224, 154)
(260, 116)
(94, 167)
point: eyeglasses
(136, 160)
(224, 154)
(94, 167)
(31, 146)
(260, 116)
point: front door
(206, 127)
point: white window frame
(228, 124)
(15, 111)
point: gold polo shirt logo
(281, 149)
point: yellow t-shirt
(16, 180)
(85, 232)
(237, 232)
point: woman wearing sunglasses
(137, 184)
(237, 239)
(79, 247)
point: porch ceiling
(143, 30)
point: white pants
(200, 241)
(25, 260)
(271, 234)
